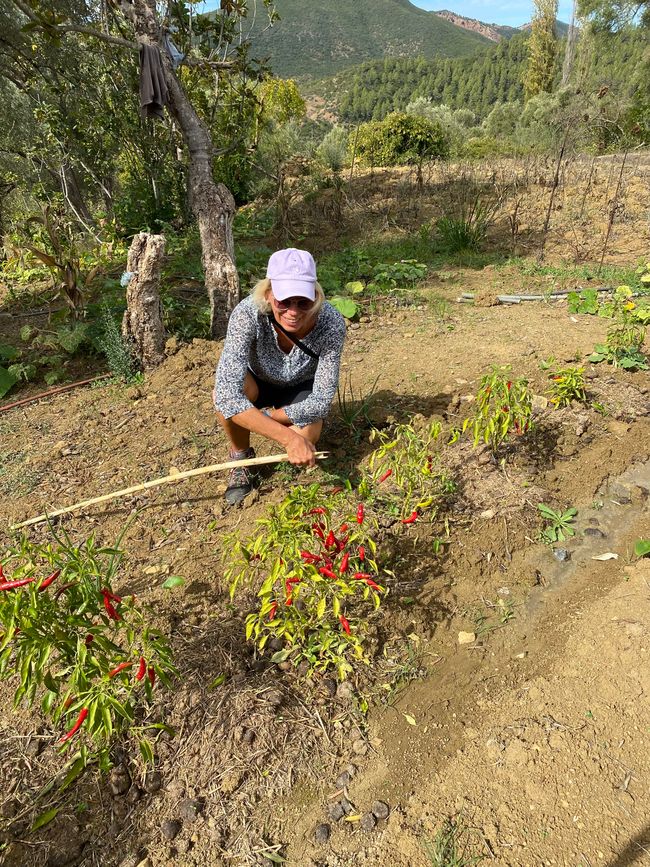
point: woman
(279, 368)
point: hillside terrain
(493, 32)
(319, 39)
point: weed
(354, 409)
(567, 385)
(558, 526)
(451, 847)
(110, 341)
(466, 232)
(622, 348)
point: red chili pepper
(336, 490)
(309, 557)
(328, 573)
(121, 667)
(11, 585)
(362, 553)
(412, 518)
(429, 462)
(343, 528)
(111, 610)
(142, 668)
(63, 588)
(345, 624)
(330, 541)
(319, 510)
(107, 593)
(361, 576)
(2, 574)
(341, 543)
(317, 531)
(49, 580)
(384, 476)
(88, 640)
(504, 409)
(508, 385)
(75, 728)
(289, 601)
(151, 674)
(372, 584)
(517, 427)
(294, 579)
(361, 511)
(344, 563)
(488, 389)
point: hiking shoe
(240, 479)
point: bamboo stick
(164, 480)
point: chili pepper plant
(567, 385)
(503, 406)
(76, 647)
(404, 475)
(314, 560)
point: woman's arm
(229, 396)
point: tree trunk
(212, 203)
(142, 326)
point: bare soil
(535, 733)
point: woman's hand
(301, 451)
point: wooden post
(142, 325)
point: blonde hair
(260, 290)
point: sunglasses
(303, 304)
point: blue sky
(512, 13)
(494, 11)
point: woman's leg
(311, 431)
(238, 437)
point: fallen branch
(52, 391)
(164, 480)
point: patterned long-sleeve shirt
(252, 342)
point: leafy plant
(451, 846)
(502, 405)
(585, 301)
(346, 306)
(558, 524)
(567, 385)
(84, 653)
(622, 348)
(642, 547)
(396, 275)
(314, 560)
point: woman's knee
(251, 388)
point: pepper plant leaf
(7, 381)
(642, 548)
(45, 818)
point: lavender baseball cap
(292, 273)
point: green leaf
(173, 581)
(218, 681)
(356, 287)
(74, 770)
(642, 547)
(45, 818)
(71, 337)
(7, 381)
(146, 751)
(346, 306)
(275, 858)
(8, 353)
(281, 655)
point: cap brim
(283, 289)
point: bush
(401, 139)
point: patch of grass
(452, 846)
(608, 275)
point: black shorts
(278, 396)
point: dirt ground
(534, 736)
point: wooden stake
(164, 480)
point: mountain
(493, 32)
(317, 38)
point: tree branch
(74, 28)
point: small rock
(360, 747)
(539, 402)
(561, 554)
(345, 692)
(595, 532)
(119, 781)
(322, 833)
(466, 637)
(170, 828)
(134, 795)
(487, 514)
(249, 736)
(348, 806)
(328, 685)
(368, 823)
(252, 498)
(344, 779)
(335, 811)
(380, 810)
(146, 862)
(152, 782)
(190, 808)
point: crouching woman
(279, 369)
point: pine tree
(542, 47)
